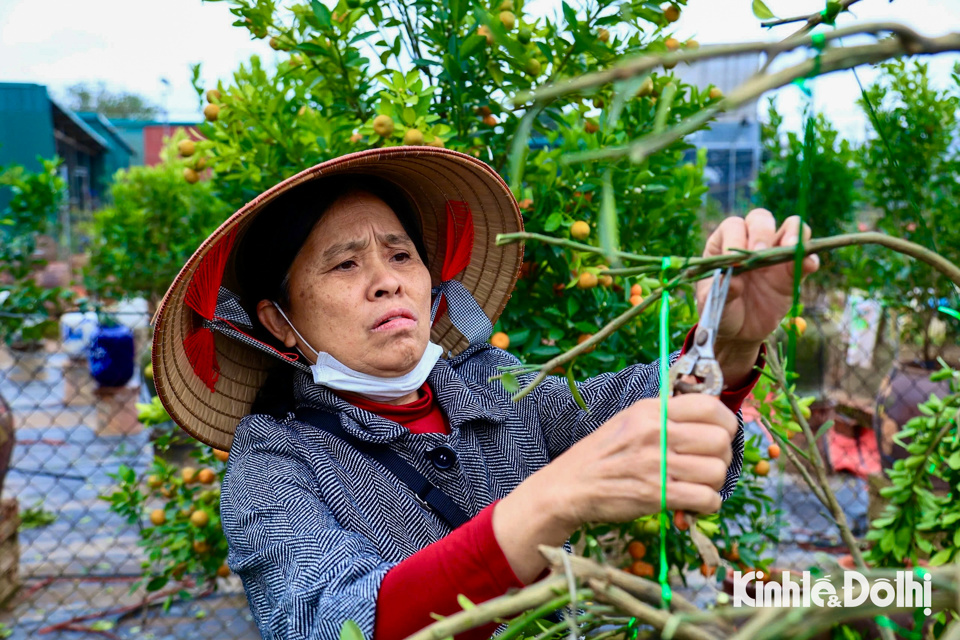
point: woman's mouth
(395, 320)
(396, 323)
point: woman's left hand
(759, 299)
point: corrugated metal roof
(133, 123)
(94, 137)
(90, 116)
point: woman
(371, 479)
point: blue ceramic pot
(111, 356)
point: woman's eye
(343, 266)
(402, 256)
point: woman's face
(358, 290)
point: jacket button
(442, 457)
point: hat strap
(465, 313)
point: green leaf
(609, 227)
(663, 107)
(362, 36)
(470, 44)
(941, 557)
(545, 50)
(519, 337)
(954, 461)
(350, 629)
(127, 474)
(102, 625)
(321, 13)
(823, 429)
(157, 583)
(465, 602)
(913, 462)
(544, 351)
(762, 11)
(571, 381)
(518, 149)
(509, 382)
(553, 222)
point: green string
(884, 621)
(949, 312)
(830, 13)
(632, 629)
(819, 42)
(665, 592)
(806, 179)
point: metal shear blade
(701, 360)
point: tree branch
(907, 42)
(642, 64)
(696, 268)
(817, 18)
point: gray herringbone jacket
(313, 525)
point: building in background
(33, 125)
(147, 136)
(119, 155)
(733, 140)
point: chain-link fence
(68, 558)
(68, 570)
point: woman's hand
(758, 300)
(613, 475)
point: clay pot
(55, 274)
(6, 439)
(846, 562)
(906, 386)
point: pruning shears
(701, 361)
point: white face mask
(330, 372)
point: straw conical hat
(431, 178)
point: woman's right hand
(613, 475)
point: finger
(700, 407)
(761, 229)
(789, 232)
(693, 438)
(788, 235)
(706, 470)
(732, 233)
(810, 264)
(692, 497)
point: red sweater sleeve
(469, 561)
(733, 398)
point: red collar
(401, 413)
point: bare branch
(640, 65)
(831, 60)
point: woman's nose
(384, 280)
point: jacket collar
(462, 401)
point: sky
(131, 45)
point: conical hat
(431, 178)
